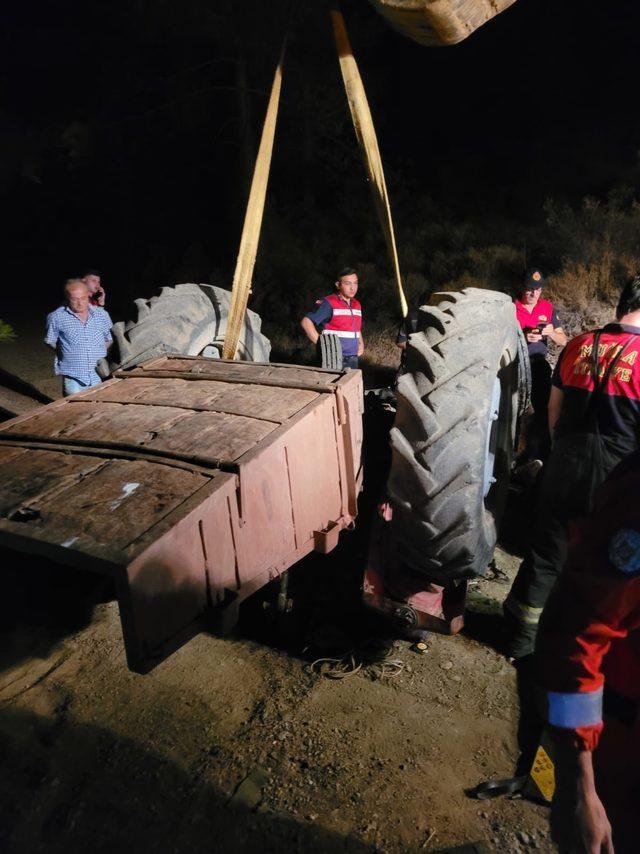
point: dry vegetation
(588, 252)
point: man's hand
(592, 831)
(100, 296)
(533, 336)
(557, 335)
(360, 344)
(102, 369)
(579, 823)
(310, 330)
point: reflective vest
(346, 321)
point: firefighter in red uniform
(588, 660)
(339, 314)
(594, 416)
(540, 324)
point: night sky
(126, 144)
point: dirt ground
(237, 744)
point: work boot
(520, 638)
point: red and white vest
(346, 321)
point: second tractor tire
(184, 319)
(453, 437)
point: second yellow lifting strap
(366, 135)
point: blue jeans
(349, 362)
(70, 385)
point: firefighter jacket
(616, 417)
(589, 633)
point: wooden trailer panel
(26, 475)
(191, 482)
(210, 435)
(289, 488)
(276, 404)
(169, 590)
(350, 411)
(92, 505)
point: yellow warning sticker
(543, 773)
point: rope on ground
(348, 665)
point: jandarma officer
(339, 314)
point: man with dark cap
(540, 324)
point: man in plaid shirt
(81, 335)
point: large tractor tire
(184, 319)
(453, 437)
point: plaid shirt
(78, 345)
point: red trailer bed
(191, 482)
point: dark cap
(533, 278)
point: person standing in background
(81, 335)
(540, 324)
(339, 314)
(594, 415)
(93, 281)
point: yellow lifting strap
(252, 222)
(366, 135)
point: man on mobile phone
(93, 281)
(540, 324)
